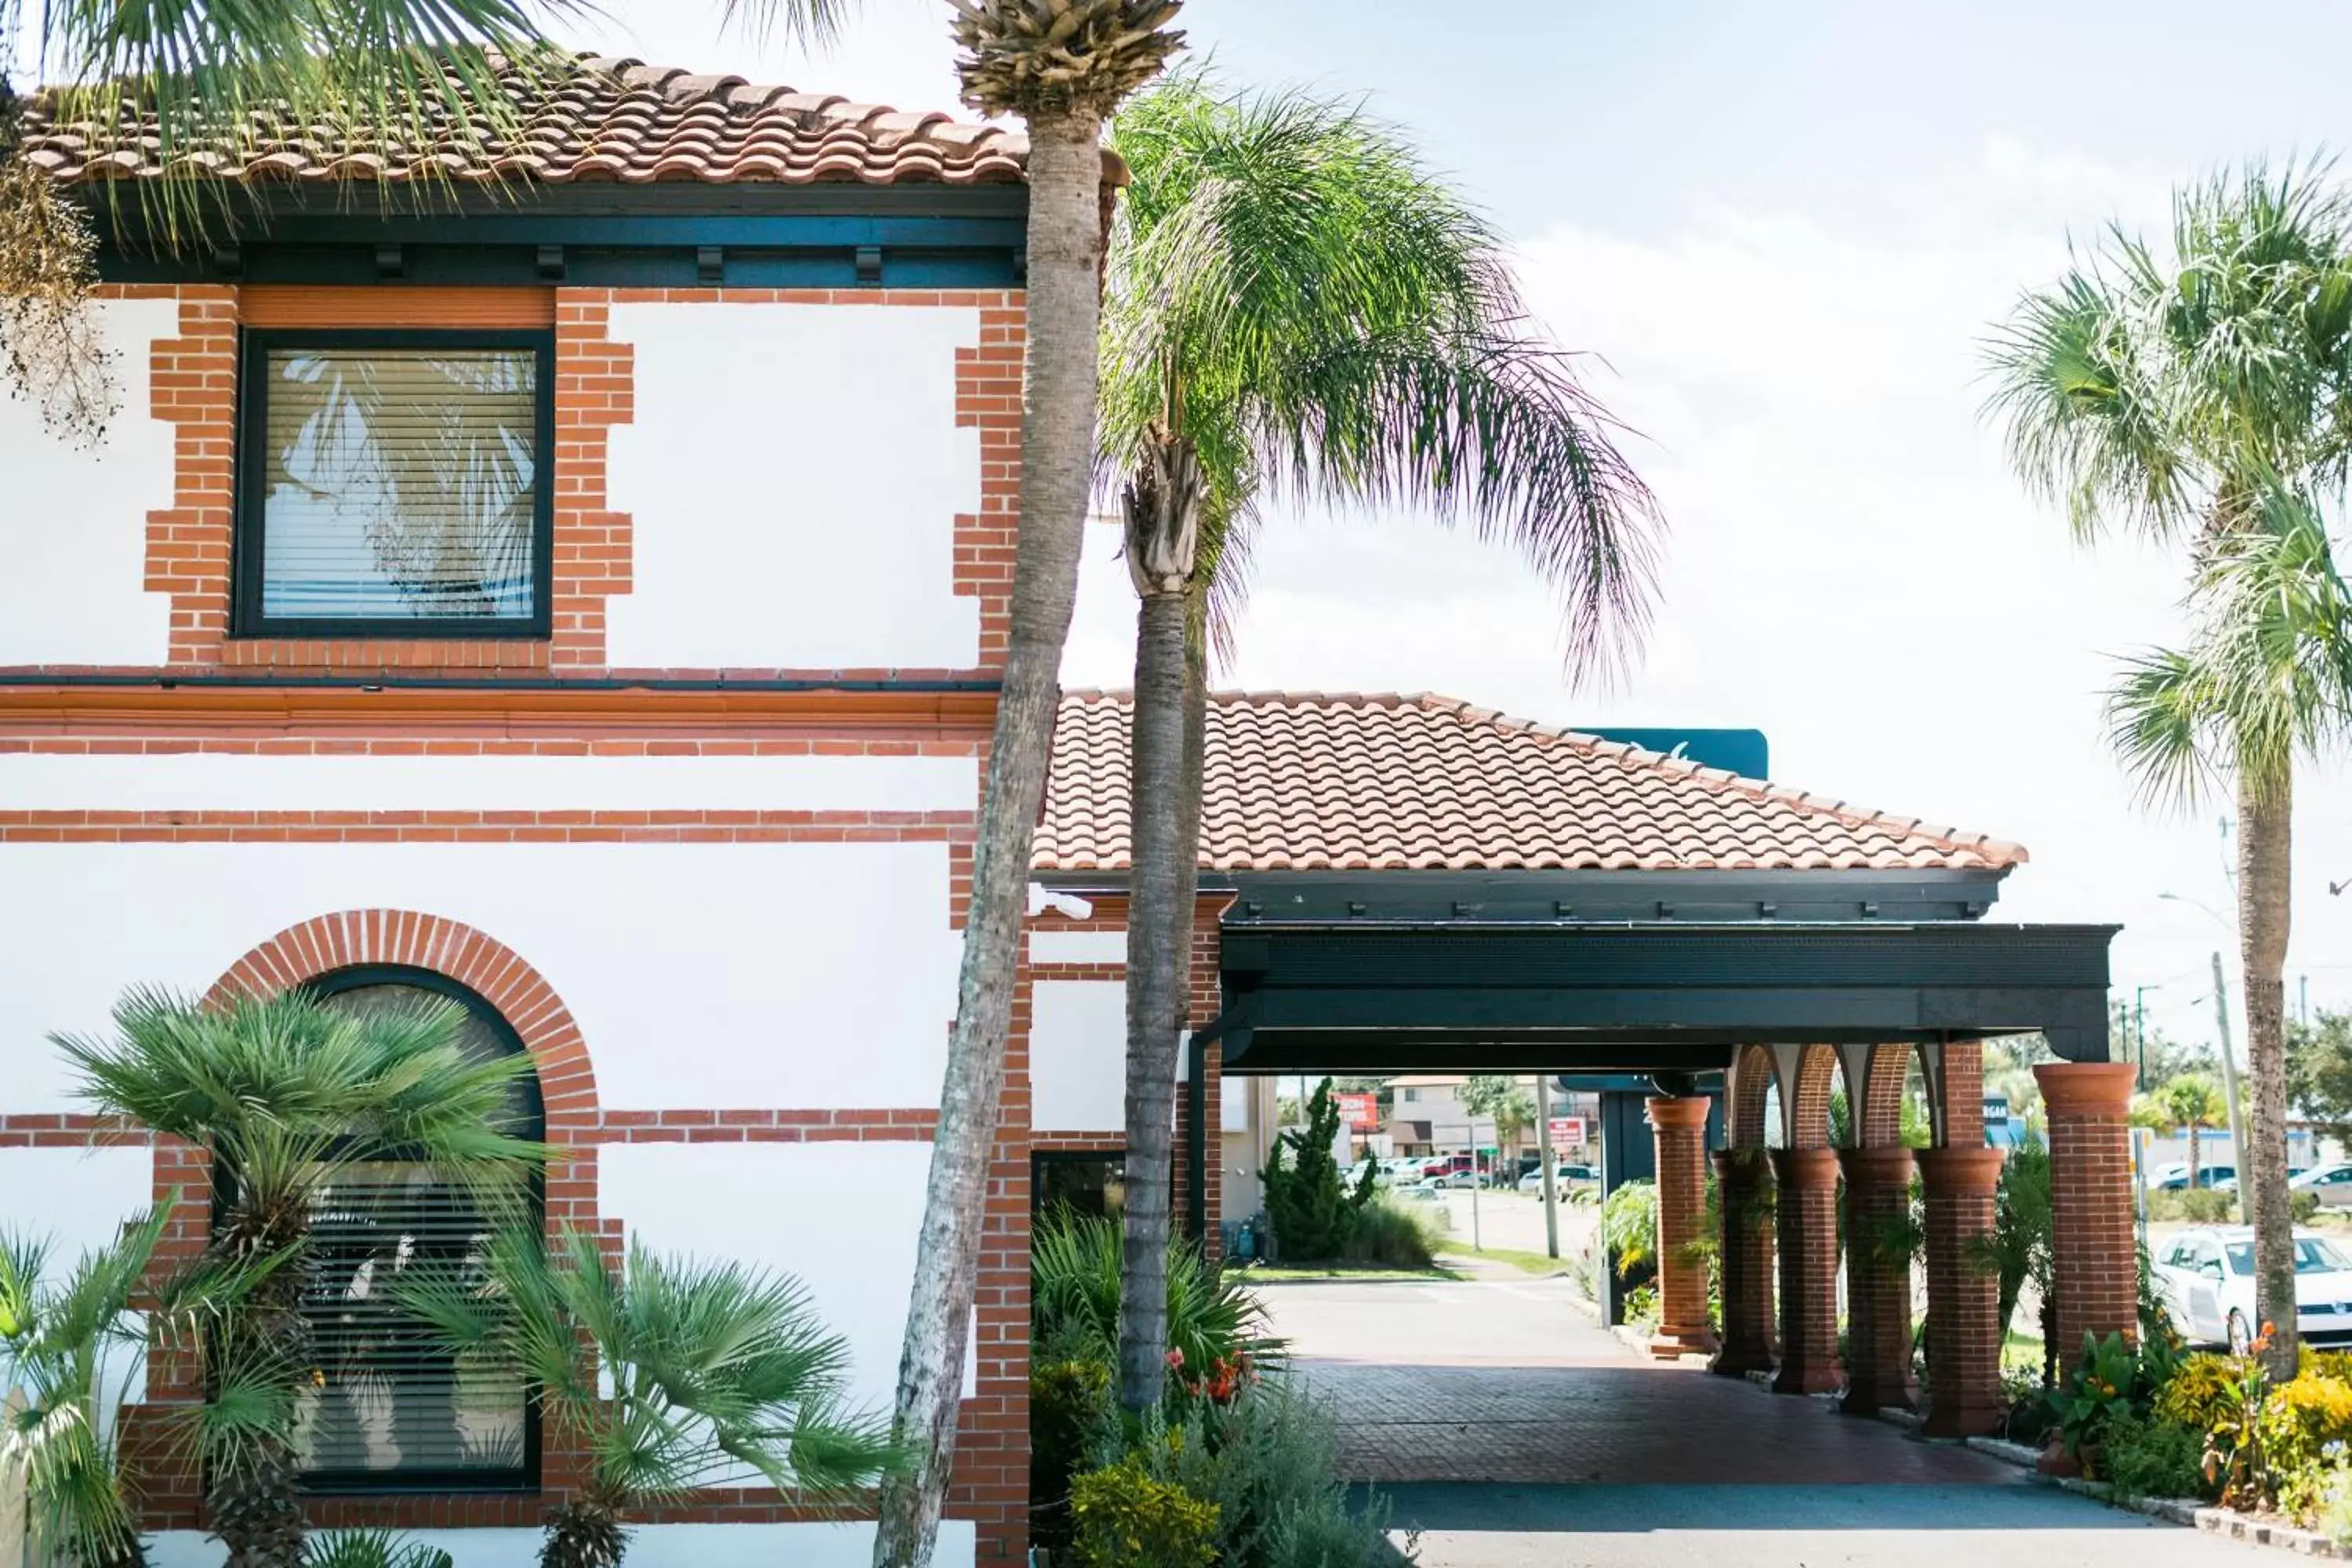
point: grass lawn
(1525, 1262)
(1286, 1273)
(2021, 1352)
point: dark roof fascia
(677, 235)
(1711, 897)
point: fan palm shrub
(1075, 1275)
(1298, 307)
(291, 1096)
(702, 1374)
(73, 1349)
(2207, 397)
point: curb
(2184, 1511)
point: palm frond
(1298, 299)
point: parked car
(1422, 1192)
(2332, 1182)
(2175, 1178)
(1460, 1178)
(2230, 1183)
(2206, 1278)
(1564, 1177)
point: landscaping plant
(1394, 1233)
(1122, 1516)
(701, 1374)
(1074, 1297)
(1312, 1209)
(289, 1096)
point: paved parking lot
(1510, 1431)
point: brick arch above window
(567, 1080)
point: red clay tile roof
(609, 119)
(1310, 781)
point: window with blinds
(392, 1408)
(394, 484)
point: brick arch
(567, 1081)
(1808, 1112)
(1885, 1069)
(1750, 1100)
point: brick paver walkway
(1506, 1380)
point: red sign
(1567, 1131)
(1361, 1112)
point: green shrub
(1124, 1517)
(1072, 1415)
(2305, 1206)
(1629, 1226)
(2299, 1423)
(1395, 1235)
(2334, 1518)
(2097, 1392)
(1314, 1213)
(2151, 1458)
(1269, 1461)
(1074, 1274)
(2201, 1390)
(371, 1549)
(1642, 1308)
(2196, 1205)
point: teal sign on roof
(1741, 751)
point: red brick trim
(483, 827)
(1884, 1073)
(1746, 1113)
(914, 1124)
(194, 389)
(1818, 1070)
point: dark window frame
(248, 542)
(526, 1477)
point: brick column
(2096, 1255)
(1806, 1217)
(1680, 1126)
(1743, 1186)
(1963, 1299)
(1878, 1280)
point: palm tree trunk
(586, 1531)
(256, 1502)
(1057, 456)
(1157, 933)
(2192, 1157)
(2266, 824)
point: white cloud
(1852, 568)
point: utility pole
(1543, 1152)
(2229, 1081)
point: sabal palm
(2198, 397)
(73, 1349)
(1297, 308)
(289, 1096)
(2191, 1101)
(702, 1374)
(2264, 682)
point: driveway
(1509, 1428)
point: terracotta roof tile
(608, 119)
(1306, 780)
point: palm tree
(409, 72)
(2206, 398)
(74, 1349)
(703, 1375)
(1299, 307)
(291, 1097)
(2191, 1101)
(2265, 683)
(1063, 66)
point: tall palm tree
(1299, 308)
(2265, 683)
(292, 1097)
(2200, 399)
(1063, 67)
(2193, 1102)
(703, 1375)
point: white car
(2206, 1277)
(1565, 1177)
(2332, 1182)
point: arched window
(393, 1410)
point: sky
(1780, 234)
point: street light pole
(2139, 1031)
(1543, 1152)
(2230, 1080)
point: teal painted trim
(1742, 752)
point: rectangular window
(395, 484)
